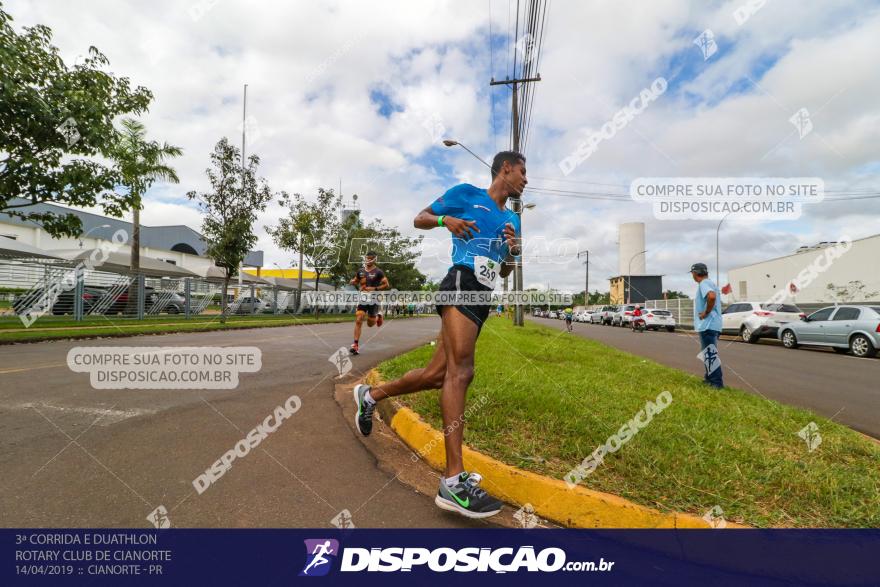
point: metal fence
(32, 290)
(682, 310)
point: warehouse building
(850, 267)
(178, 245)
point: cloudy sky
(363, 92)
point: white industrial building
(805, 274)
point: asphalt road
(75, 456)
(840, 387)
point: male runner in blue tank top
(485, 237)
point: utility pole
(243, 159)
(517, 200)
(586, 276)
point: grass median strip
(163, 325)
(549, 400)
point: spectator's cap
(699, 269)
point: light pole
(586, 276)
(629, 276)
(717, 233)
(86, 233)
(517, 208)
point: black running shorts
(370, 309)
(461, 278)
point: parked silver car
(854, 329)
(251, 305)
(606, 314)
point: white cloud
(311, 67)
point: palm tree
(140, 163)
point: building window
(743, 290)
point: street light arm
(629, 275)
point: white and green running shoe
(466, 497)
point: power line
(625, 197)
(492, 72)
(626, 186)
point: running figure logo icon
(341, 361)
(320, 554)
(710, 358)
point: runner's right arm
(426, 220)
(449, 206)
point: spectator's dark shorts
(370, 309)
(462, 278)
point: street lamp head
(530, 205)
(449, 142)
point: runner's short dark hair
(511, 157)
(370, 254)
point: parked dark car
(63, 305)
(95, 298)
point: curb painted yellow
(551, 499)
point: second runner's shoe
(364, 417)
(466, 497)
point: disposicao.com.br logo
(442, 560)
(320, 554)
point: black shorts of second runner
(370, 309)
(461, 278)
(568, 320)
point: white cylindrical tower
(631, 242)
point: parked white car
(623, 316)
(552, 315)
(583, 316)
(655, 319)
(755, 320)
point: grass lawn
(48, 328)
(552, 398)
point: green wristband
(440, 220)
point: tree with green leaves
(55, 121)
(396, 253)
(230, 209)
(672, 294)
(140, 163)
(312, 229)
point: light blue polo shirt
(713, 320)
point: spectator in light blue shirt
(707, 323)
